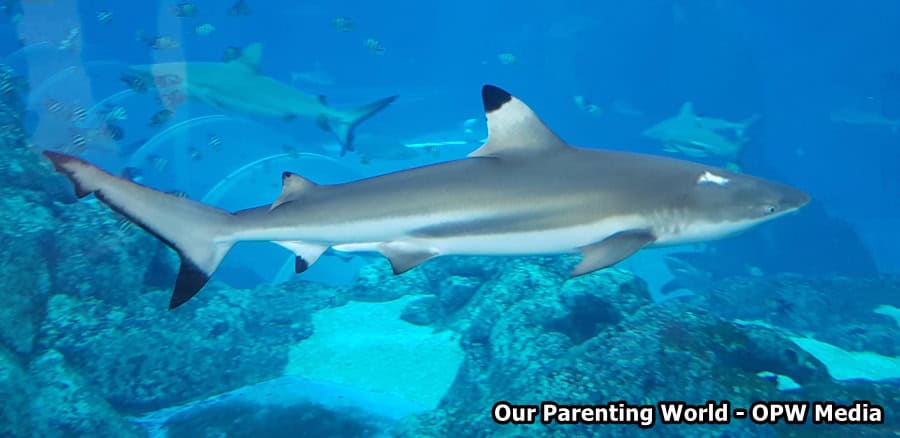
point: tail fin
(746, 123)
(201, 234)
(342, 125)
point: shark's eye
(770, 209)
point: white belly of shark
(548, 241)
(368, 236)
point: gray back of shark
(525, 191)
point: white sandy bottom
(368, 346)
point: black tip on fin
(190, 280)
(300, 265)
(494, 98)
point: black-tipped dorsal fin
(513, 128)
(293, 187)
(251, 56)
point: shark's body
(699, 136)
(685, 274)
(852, 116)
(714, 124)
(239, 87)
(371, 148)
(525, 191)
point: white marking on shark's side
(524, 191)
(709, 177)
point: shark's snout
(793, 199)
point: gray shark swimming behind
(524, 191)
(239, 86)
(699, 136)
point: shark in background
(855, 116)
(239, 86)
(524, 191)
(443, 143)
(713, 124)
(699, 136)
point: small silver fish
(104, 16)
(135, 83)
(183, 10)
(204, 29)
(587, 106)
(231, 53)
(374, 46)
(215, 142)
(7, 86)
(54, 106)
(70, 42)
(158, 162)
(111, 131)
(507, 58)
(342, 24)
(77, 113)
(125, 226)
(116, 114)
(79, 143)
(161, 118)
(239, 9)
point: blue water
(793, 63)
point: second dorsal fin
(293, 187)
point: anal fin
(611, 250)
(307, 253)
(405, 256)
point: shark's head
(719, 203)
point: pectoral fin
(611, 250)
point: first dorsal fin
(513, 128)
(293, 186)
(687, 109)
(251, 56)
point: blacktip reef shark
(698, 136)
(239, 86)
(524, 191)
(853, 116)
(714, 124)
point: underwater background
(804, 308)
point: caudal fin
(742, 127)
(342, 126)
(201, 234)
